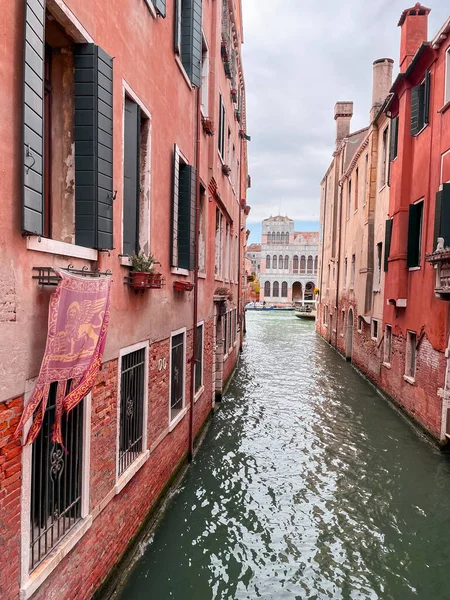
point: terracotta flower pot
(139, 281)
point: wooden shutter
(93, 147)
(33, 120)
(175, 200)
(160, 6)
(186, 218)
(426, 98)
(442, 216)
(417, 99)
(387, 242)
(191, 40)
(131, 177)
(415, 214)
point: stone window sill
(202, 275)
(387, 365)
(151, 8)
(131, 471)
(445, 107)
(414, 268)
(177, 271)
(125, 261)
(178, 418)
(41, 244)
(409, 379)
(41, 573)
(183, 72)
(199, 394)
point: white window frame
(387, 351)
(30, 582)
(408, 355)
(173, 422)
(447, 77)
(122, 481)
(359, 324)
(201, 389)
(204, 89)
(374, 323)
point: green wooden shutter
(394, 139)
(160, 6)
(175, 201)
(191, 39)
(33, 118)
(387, 243)
(186, 218)
(177, 26)
(415, 215)
(93, 147)
(417, 98)
(426, 98)
(442, 216)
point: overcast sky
(299, 59)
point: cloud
(299, 59)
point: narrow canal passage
(308, 486)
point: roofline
(441, 35)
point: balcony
(440, 259)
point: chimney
(414, 24)
(381, 83)
(343, 112)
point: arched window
(316, 262)
(267, 262)
(267, 289)
(274, 262)
(276, 289)
(280, 262)
(269, 238)
(295, 264)
(310, 264)
(286, 262)
(309, 291)
(278, 238)
(287, 237)
(302, 264)
(284, 289)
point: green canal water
(309, 485)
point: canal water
(309, 485)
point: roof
(311, 237)
(254, 248)
(441, 35)
(278, 218)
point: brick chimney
(381, 83)
(414, 24)
(343, 112)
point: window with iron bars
(131, 426)
(56, 481)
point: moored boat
(306, 310)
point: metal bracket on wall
(47, 276)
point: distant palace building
(254, 255)
(289, 262)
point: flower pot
(139, 280)
(155, 280)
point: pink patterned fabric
(77, 328)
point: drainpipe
(195, 315)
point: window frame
(374, 329)
(384, 158)
(123, 478)
(410, 356)
(204, 89)
(447, 77)
(419, 233)
(221, 128)
(387, 350)
(177, 418)
(198, 392)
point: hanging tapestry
(77, 327)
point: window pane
(177, 376)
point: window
(366, 172)
(295, 264)
(221, 132)
(356, 188)
(230, 330)
(302, 264)
(316, 263)
(274, 262)
(199, 358)
(378, 265)
(218, 244)
(202, 234)
(267, 262)
(360, 324)
(286, 263)
(310, 264)
(177, 373)
(345, 273)
(393, 144)
(67, 182)
(267, 289)
(188, 37)
(349, 198)
(447, 77)
(374, 326)
(384, 158)
(387, 243)
(183, 214)
(415, 235)
(342, 322)
(284, 289)
(328, 276)
(276, 289)
(442, 216)
(135, 163)
(280, 262)
(410, 363)
(56, 481)
(352, 272)
(269, 238)
(278, 238)
(225, 333)
(388, 344)
(160, 6)
(133, 389)
(420, 105)
(205, 78)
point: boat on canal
(306, 309)
(259, 306)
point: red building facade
(102, 158)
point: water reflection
(309, 485)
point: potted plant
(237, 114)
(234, 95)
(142, 265)
(208, 126)
(226, 170)
(221, 294)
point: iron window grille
(199, 358)
(177, 375)
(131, 408)
(56, 482)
